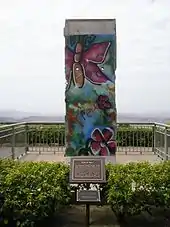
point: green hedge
(34, 191)
(137, 187)
(126, 136)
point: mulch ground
(74, 216)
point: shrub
(33, 191)
(137, 187)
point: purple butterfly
(81, 65)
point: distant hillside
(44, 118)
(7, 119)
(14, 114)
(17, 116)
(142, 118)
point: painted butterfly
(81, 65)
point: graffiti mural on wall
(90, 95)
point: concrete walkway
(121, 157)
(42, 154)
(7, 152)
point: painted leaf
(70, 151)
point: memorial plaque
(88, 196)
(87, 170)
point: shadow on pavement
(104, 217)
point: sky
(32, 75)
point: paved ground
(103, 216)
(43, 154)
(120, 157)
(7, 152)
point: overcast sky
(32, 52)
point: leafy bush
(137, 187)
(32, 191)
(55, 134)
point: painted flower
(102, 142)
(103, 102)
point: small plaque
(87, 170)
(88, 196)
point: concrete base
(110, 159)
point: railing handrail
(121, 123)
(45, 122)
(12, 125)
(136, 123)
(63, 122)
(162, 125)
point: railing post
(13, 143)
(26, 138)
(166, 144)
(154, 139)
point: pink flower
(102, 142)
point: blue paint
(82, 95)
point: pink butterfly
(81, 65)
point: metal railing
(13, 140)
(18, 139)
(162, 141)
